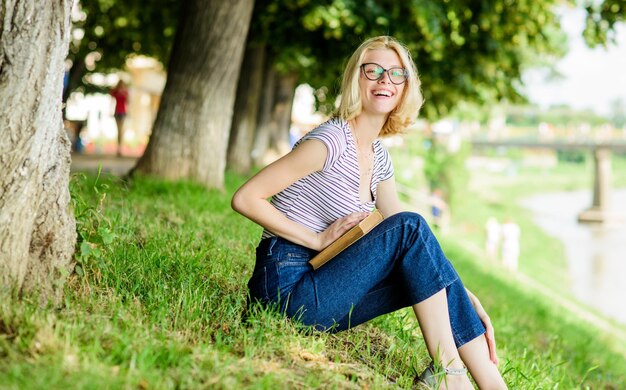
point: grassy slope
(162, 303)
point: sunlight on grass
(161, 303)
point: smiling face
(380, 97)
(401, 105)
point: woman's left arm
(490, 335)
(387, 200)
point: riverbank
(596, 264)
(543, 261)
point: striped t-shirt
(319, 199)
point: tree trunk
(281, 113)
(272, 138)
(190, 134)
(264, 124)
(246, 110)
(37, 227)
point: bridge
(599, 211)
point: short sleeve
(333, 136)
(386, 171)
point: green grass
(161, 304)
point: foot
(444, 378)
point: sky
(593, 78)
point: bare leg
(475, 355)
(119, 121)
(432, 315)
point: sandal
(430, 378)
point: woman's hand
(338, 228)
(482, 314)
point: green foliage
(468, 112)
(561, 116)
(464, 51)
(601, 20)
(118, 29)
(572, 156)
(425, 163)
(94, 230)
(445, 170)
(106, 32)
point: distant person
(120, 94)
(492, 238)
(77, 144)
(438, 209)
(333, 178)
(510, 244)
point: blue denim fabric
(398, 264)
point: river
(596, 254)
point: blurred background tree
(601, 20)
(472, 51)
(190, 134)
(105, 33)
(467, 52)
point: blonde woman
(332, 179)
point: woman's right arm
(251, 200)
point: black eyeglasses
(374, 72)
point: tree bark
(246, 110)
(37, 227)
(190, 135)
(264, 123)
(272, 138)
(281, 113)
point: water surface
(596, 253)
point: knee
(409, 218)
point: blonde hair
(408, 108)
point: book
(347, 239)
